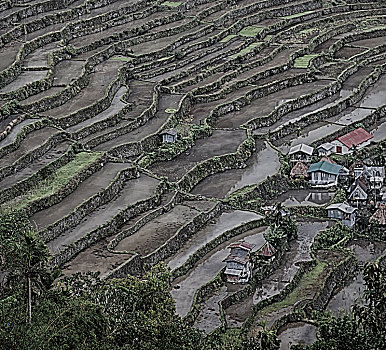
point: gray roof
(342, 207)
(327, 146)
(170, 132)
(301, 148)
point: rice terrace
(193, 174)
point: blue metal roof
(326, 167)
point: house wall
(322, 178)
(338, 144)
(168, 138)
(300, 156)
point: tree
(24, 256)
(365, 329)
(268, 339)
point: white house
(169, 135)
(239, 266)
(359, 192)
(357, 138)
(374, 174)
(326, 149)
(302, 153)
(326, 174)
(342, 212)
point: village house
(326, 149)
(169, 135)
(238, 264)
(358, 192)
(302, 153)
(379, 217)
(374, 174)
(357, 138)
(267, 252)
(299, 171)
(326, 174)
(343, 212)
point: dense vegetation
(85, 312)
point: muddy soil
(53, 154)
(151, 126)
(215, 228)
(353, 291)
(32, 141)
(88, 188)
(92, 92)
(116, 105)
(207, 268)
(220, 142)
(134, 191)
(263, 162)
(23, 79)
(297, 333)
(263, 106)
(274, 284)
(155, 233)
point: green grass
(170, 110)
(251, 31)
(245, 50)
(123, 59)
(58, 179)
(171, 3)
(302, 62)
(297, 15)
(268, 37)
(164, 58)
(308, 285)
(227, 38)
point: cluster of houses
(367, 182)
(239, 264)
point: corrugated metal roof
(242, 245)
(326, 167)
(355, 137)
(301, 148)
(342, 207)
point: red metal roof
(355, 137)
(242, 245)
(267, 250)
(237, 259)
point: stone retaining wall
(91, 204)
(25, 185)
(28, 158)
(48, 201)
(108, 228)
(174, 243)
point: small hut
(327, 159)
(379, 217)
(239, 266)
(301, 153)
(267, 252)
(299, 170)
(169, 135)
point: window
(338, 149)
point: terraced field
(87, 88)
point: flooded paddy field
(353, 291)
(220, 142)
(206, 269)
(263, 162)
(173, 65)
(299, 250)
